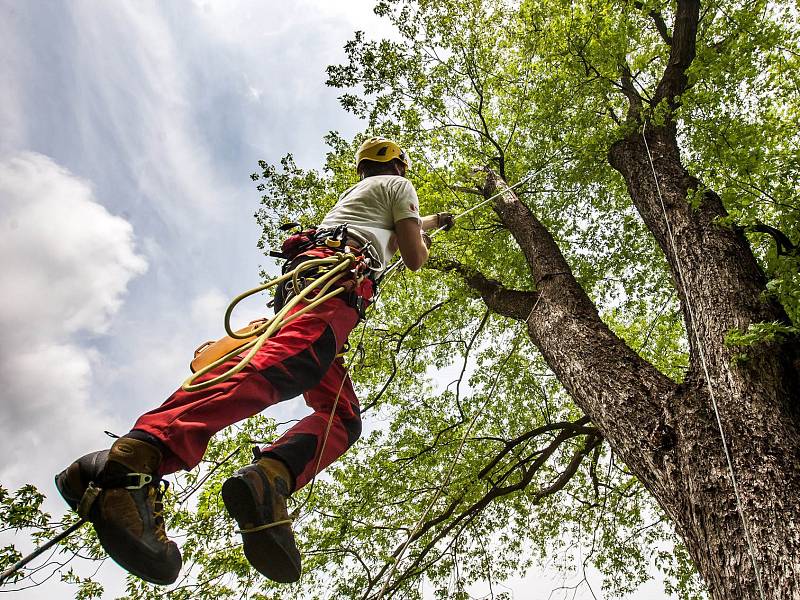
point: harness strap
(88, 499)
(357, 282)
(129, 481)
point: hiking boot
(256, 497)
(73, 481)
(125, 506)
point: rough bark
(514, 304)
(721, 288)
(668, 433)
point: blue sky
(131, 129)
(128, 133)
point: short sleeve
(403, 200)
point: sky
(128, 131)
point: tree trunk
(670, 435)
(721, 288)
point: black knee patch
(353, 427)
(296, 374)
(296, 452)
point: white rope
(454, 462)
(520, 182)
(693, 326)
(399, 262)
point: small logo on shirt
(413, 207)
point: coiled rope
(334, 268)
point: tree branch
(515, 304)
(373, 401)
(470, 512)
(783, 245)
(510, 444)
(615, 387)
(634, 99)
(466, 190)
(658, 20)
(684, 43)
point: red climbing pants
(299, 359)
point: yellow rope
(263, 527)
(341, 263)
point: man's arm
(437, 220)
(410, 242)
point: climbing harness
(312, 270)
(254, 337)
(690, 311)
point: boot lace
(156, 496)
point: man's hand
(442, 220)
(445, 221)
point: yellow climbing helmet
(381, 149)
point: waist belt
(313, 243)
(335, 238)
(359, 287)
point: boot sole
(261, 548)
(66, 494)
(116, 547)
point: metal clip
(143, 480)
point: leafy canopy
(471, 446)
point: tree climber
(118, 489)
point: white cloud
(67, 263)
(209, 306)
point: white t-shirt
(372, 207)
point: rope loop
(267, 526)
(334, 267)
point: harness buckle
(142, 479)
